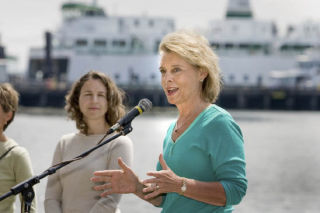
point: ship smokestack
(48, 72)
(239, 9)
(2, 51)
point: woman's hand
(116, 181)
(164, 181)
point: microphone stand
(25, 187)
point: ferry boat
(126, 47)
(249, 49)
(305, 75)
(3, 64)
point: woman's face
(4, 117)
(92, 100)
(180, 80)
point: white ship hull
(126, 47)
(143, 69)
(124, 69)
(252, 70)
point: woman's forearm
(208, 192)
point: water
(281, 152)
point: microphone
(143, 106)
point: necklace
(184, 123)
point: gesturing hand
(116, 181)
(164, 181)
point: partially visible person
(15, 163)
(202, 168)
(95, 103)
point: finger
(97, 179)
(122, 164)
(149, 188)
(154, 174)
(100, 179)
(152, 195)
(163, 162)
(106, 193)
(151, 180)
(106, 186)
(105, 173)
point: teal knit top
(210, 149)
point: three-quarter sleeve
(121, 148)
(228, 159)
(23, 170)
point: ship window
(244, 46)
(266, 49)
(117, 76)
(296, 47)
(229, 46)
(151, 23)
(215, 45)
(284, 47)
(118, 43)
(246, 77)
(100, 43)
(301, 47)
(90, 13)
(256, 47)
(136, 22)
(231, 78)
(81, 42)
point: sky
(23, 23)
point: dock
(246, 98)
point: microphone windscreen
(145, 104)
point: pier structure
(251, 98)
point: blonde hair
(195, 49)
(9, 101)
(114, 97)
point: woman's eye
(162, 72)
(176, 70)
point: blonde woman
(202, 168)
